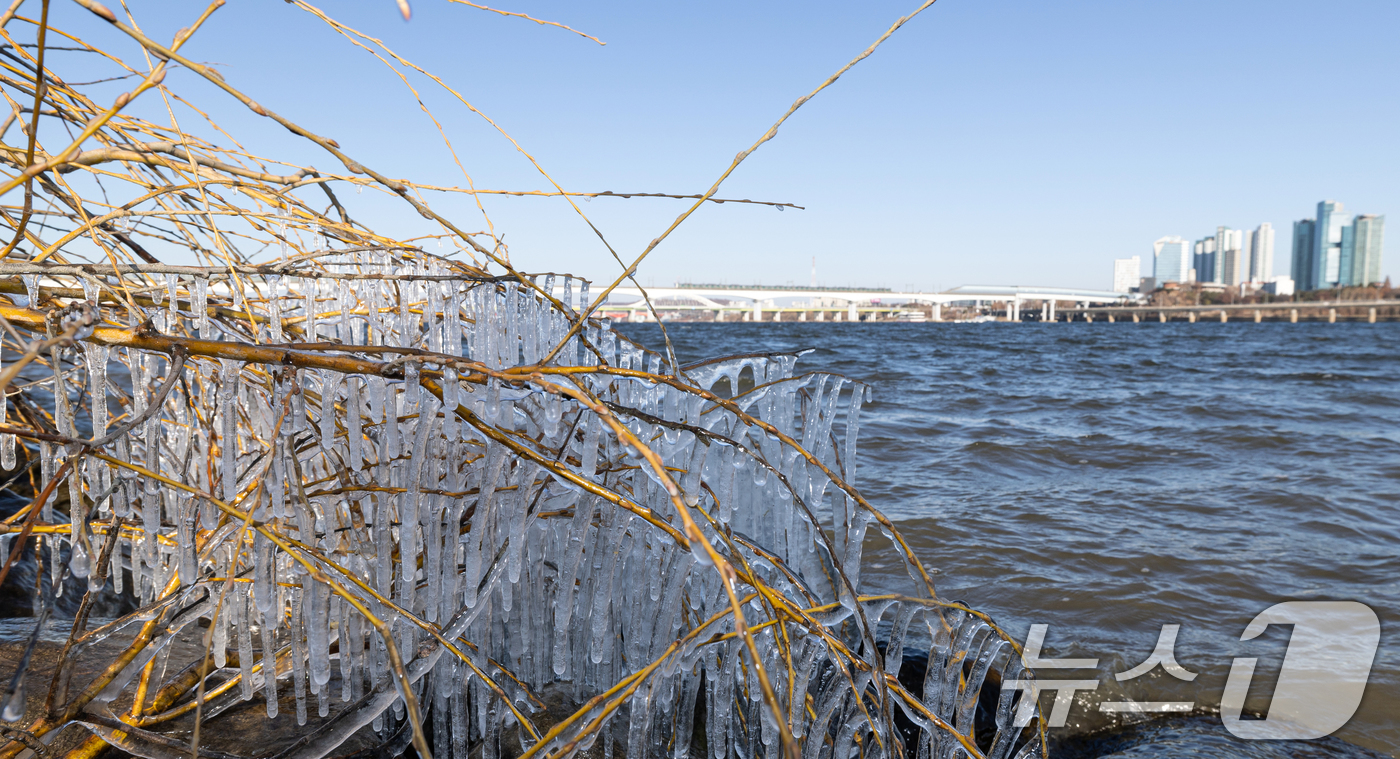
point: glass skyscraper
(1335, 251)
(1368, 233)
(1303, 231)
(1171, 260)
(1204, 259)
(1327, 243)
(1346, 257)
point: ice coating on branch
(435, 485)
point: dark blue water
(1106, 479)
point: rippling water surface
(1106, 479)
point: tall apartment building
(1204, 259)
(1228, 244)
(1261, 253)
(1127, 274)
(1364, 249)
(1327, 243)
(1171, 260)
(1303, 231)
(1335, 250)
(1232, 266)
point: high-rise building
(1327, 244)
(1261, 253)
(1302, 268)
(1368, 233)
(1228, 244)
(1231, 266)
(1204, 259)
(1246, 254)
(1346, 253)
(1335, 251)
(1171, 260)
(1127, 274)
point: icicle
(354, 435)
(564, 598)
(344, 304)
(602, 596)
(317, 621)
(411, 389)
(298, 654)
(243, 619)
(451, 387)
(495, 458)
(453, 323)
(408, 543)
(262, 573)
(189, 563)
(15, 706)
(116, 571)
(853, 432)
(492, 410)
(172, 291)
(342, 615)
(393, 446)
(297, 417)
(228, 440)
(309, 310)
(220, 621)
(515, 550)
(201, 307)
(97, 373)
(274, 308)
(329, 380)
(269, 664)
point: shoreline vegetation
(327, 493)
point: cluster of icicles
(551, 590)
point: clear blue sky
(989, 141)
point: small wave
(1199, 734)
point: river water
(1108, 479)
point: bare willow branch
(530, 18)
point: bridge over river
(759, 302)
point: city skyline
(1332, 249)
(1234, 256)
